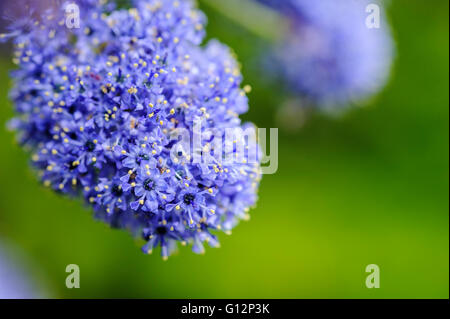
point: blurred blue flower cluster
(330, 56)
(16, 281)
(98, 105)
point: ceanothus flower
(99, 105)
(329, 56)
(16, 280)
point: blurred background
(367, 187)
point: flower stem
(257, 19)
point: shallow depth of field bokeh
(368, 187)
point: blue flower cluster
(98, 107)
(330, 56)
(16, 281)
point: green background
(367, 187)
